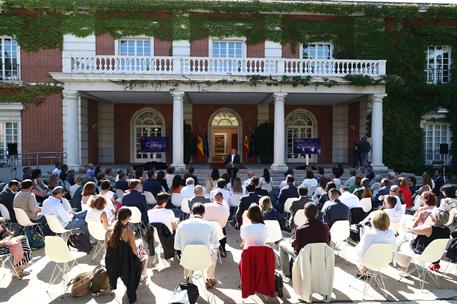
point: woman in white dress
(110, 200)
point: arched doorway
(300, 123)
(146, 122)
(224, 134)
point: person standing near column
(232, 163)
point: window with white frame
(229, 51)
(320, 50)
(435, 134)
(8, 134)
(9, 65)
(135, 47)
(438, 68)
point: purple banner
(307, 146)
(153, 144)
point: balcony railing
(224, 66)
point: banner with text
(305, 146)
(153, 144)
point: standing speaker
(444, 148)
(12, 149)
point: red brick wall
(35, 66)
(290, 51)
(42, 126)
(162, 47)
(92, 132)
(353, 125)
(201, 115)
(122, 116)
(199, 47)
(256, 50)
(104, 44)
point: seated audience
(124, 258)
(78, 181)
(25, 200)
(160, 178)
(221, 187)
(245, 202)
(425, 234)
(176, 184)
(151, 184)
(16, 246)
(188, 190)
(334, 210)
(89, 191)
(357, 184)
(364, 191)
(448, 201)
(110, 208)
(136, 199)
(194, 231)
(254, 233)
(428, 199)
(298, 203)
(7, 198)
(312, 231)
(270, 213)
(218, 212)
(405, 192)
(310, 182)
(266, 182)
(170, 176)
(198, 197)
(96, 211)
(237, 193)
(283, 183)
(324, 197)
(259, 191)
(191, 170)
(320, 189)
(121, 183)
(379, 233)
(160, 214)
(69, 220)
(286, 192)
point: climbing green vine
(399, 34)
(27, 93)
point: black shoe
(223, 252)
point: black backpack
(185, 293)
(80, 242)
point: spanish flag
(246, 145)
(199, 147)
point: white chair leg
(51, 280)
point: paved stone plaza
(163, 277)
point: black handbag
(185, 293)
(80, 242)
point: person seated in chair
(218, 212)
(199, 197)
(160, 214)
(334, 210)
(136, 199)
(312, 231)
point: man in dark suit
(7, 198)
(121, 183)
(287, 192)
(151, 184)
(136, 199)
(384, 190)
(245, 202)
(259, 191)
(199, 197)
(232, 163)
(334, 210)
(298, 203)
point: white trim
(240, 132)
(228, 39)
(139, 37)
(133, 132)
(434, 79)
(18, 57)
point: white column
(178, 131)
(279, 163)
(71, 128)
(376, 131)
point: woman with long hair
(89, 190)
(237, 193)
(405, 191)
(266, 182)
(160, 178)
(254, 233)
(124, 258)
(176, 185)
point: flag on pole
(205, 145)
(199, 147)
(246, 144)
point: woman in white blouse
(110, 200)
(89, 190)
(256, 232)
(96, 212)
(266, 182)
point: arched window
(224, 119)
(299, 124)
(147, 123)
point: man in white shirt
(220, 188)
(57, 170)
(197, 231)
(351, 180)
(218, 212)
(69, 220)
(247, 181)
(283, 183)
(188, 190)
(160, 214)
(389, 204)
(349, 199)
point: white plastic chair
(394, 227)
(377, 257)
(339, 233)
(274, 231)
(97, 231)
(196, 265)
(57, 227)
(299, 217)
(4, 258)
(185, 208)
(365, 204)
(150, 199)
(245, 218)
(56, 250)
(135, 220)
(288, 204)
(66, 204)
(432, 253)
(6, 215)
(176, 200)
(451, 216)
(24, 221)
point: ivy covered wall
(400, 34)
